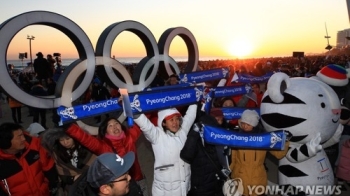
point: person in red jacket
(25, 166)
(259, 94)
(112, 137)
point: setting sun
(240, 48)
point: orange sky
(270, 27)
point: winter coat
(343, 169)
(248, 164)
(171, 173)
(38, 90)
(51, 88)
(41, 67)
(27, 174)
(204, 170)
(100, 146)
(66, 170)
(13, 103)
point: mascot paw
(314, 145)
(338, 133)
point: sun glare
(240, 48)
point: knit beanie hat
(334, 75)
(250, 117)
(167, 114)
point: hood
(50, 136)
(164, 113)
(35, 129)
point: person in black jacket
(99, 93)
(38, 90)
(206, 176)
(41, 68)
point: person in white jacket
(171, 173)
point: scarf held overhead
(140, 102)
(219, 136)
(246, 78)
(203, 76)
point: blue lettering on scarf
(246, 78)
(140, 102)
(203, 76)
(228, 91)
(232, 113)
(69, 114)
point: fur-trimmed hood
(50, 136)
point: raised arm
(95, 145)
(134, 132)
(279, 154)
(150, 131)
(189, 118)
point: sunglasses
(123, 179)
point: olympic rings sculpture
(66, 92)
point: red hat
(172, 115)
(216, 112)
(167, 114)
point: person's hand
(76, 177)
(289, 135)
(120, 99)
(197, 127)
(53, 191)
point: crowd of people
(67, 160)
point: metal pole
(30, 47)
(30, 51)
(328, 47)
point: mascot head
(303, 106)
(337, 77)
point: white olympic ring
(88, 59)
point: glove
(53, 191)
(289, 135)
(135, 116)
(197, 127)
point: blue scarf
(219, 136)
(140, 102)
(246, 78)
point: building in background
(343, 37)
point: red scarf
(112, 137)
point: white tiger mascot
(310, 110)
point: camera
(56, 54)
(22, 55)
